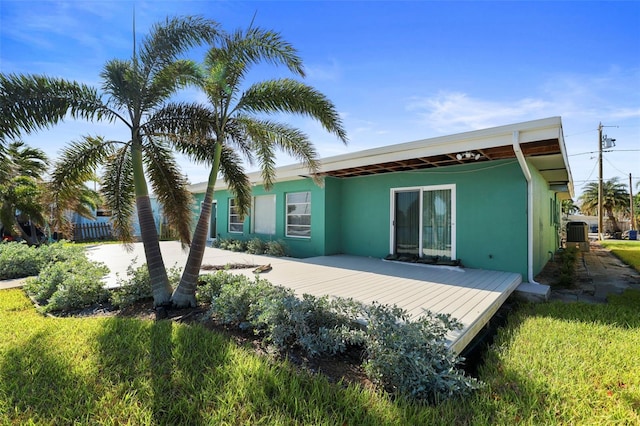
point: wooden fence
(92, 231)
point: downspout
(527, 176)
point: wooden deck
(470, 295)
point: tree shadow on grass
(41, 385)
(187, 374)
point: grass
(552, 364)
(627, 251)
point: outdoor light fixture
(467, 155)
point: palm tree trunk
(185, 294)
(148, 233)
(614, 221)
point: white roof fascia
(530, 131)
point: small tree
(21, 189)
(615, 199)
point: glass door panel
(436, 223)
(407, 222)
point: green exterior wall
(546, 221)
(490, 206)
(353, 215)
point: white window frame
(286, 224)
(451, 187)
(271, 212)
(233, 212)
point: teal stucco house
(489, 199)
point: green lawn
(552, 364)
(627, 251)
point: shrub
(208, 287)
(256, 246)
(137, 285)
(70, 284)
(19, 260)
(410, 358)
(237, 293)
(317, 326)
(568, 259)
(275, 248)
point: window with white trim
(263, 215)
(236, 222)
(299, 215)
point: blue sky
(397, 71)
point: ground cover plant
(406, 356)
(552, 364)
(18, 260)
(627, 251)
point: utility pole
(603, 142)
(600, 230)
(633, 218)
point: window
(263, 215)
(299, 215)
(236, 223)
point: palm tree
(74, 197)
(134, 89)
(569, 207)
(229, 127)
(21, 170)
(615, 198)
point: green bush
(568, 260)
(208, 287)
(137, 285)
(18, 260)
(410, 358)
(256, 246)
(69, 284)
(275, 248)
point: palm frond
(118, 192)
(170, 186)
(235, 176)
(184, 122)
(123, 84)
(172, 37)
(290, 96)
(33, 102)
(79, 161)
(168, 80)
(266, 135)
(256, 45)
(19, 159)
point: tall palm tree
(21, 178)
(230, 127)
(133, 90)
(615, 199)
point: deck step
(533, 292)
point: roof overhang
(541, 141)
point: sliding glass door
(424, 221)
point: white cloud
(450, 112)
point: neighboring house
(102, 216)
(489, 198)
